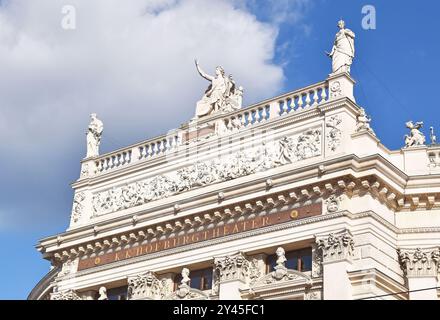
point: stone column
(336, 252)
(420, 267)
(232, 273)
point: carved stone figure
(102, 293)
(342, 53)
(305, 145)
(363, 122)
(332, 204)
(415, 137)
(432, 135)
(336, 247)
(94, 136)
(281, 257)
(146, 286)
(221, 95)
(185, 277)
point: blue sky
(50, 81)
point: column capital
(336, 246)
(146, 286)
(234, 267)
(65, 295)
(419, 262)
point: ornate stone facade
(419, 262)
(65, 295)
(292, 172)
(235, 267)
(146, 286)
(336, 246)
(260, 158)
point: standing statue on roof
(342, 53)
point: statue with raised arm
(215, 96)
(342, 53)
(222, 95)
(93, 134)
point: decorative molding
(185, 292)
(146, 286)
(336, 247)
(369, 184)
(419, 262)
(68, 267)
(332, 203)
(263, 157)
(77, 207)
(282, 275)
(334, 135)
(65, 295)
(234, 267)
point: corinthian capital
(419, 262)
(145, 286)
(65, 295)
(335, 246)
(233, 267)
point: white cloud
(129, 61)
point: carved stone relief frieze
(284, 151)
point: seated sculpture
(222, 95)
(416, 137)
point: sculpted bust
(185, 277)
(93, 135)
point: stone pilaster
(231, 273)
(420, 266)
(335, 254)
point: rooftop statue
(342, 53)
(222, 95)
(432, 135)
(363, 122)
(415, 137)
(93, 134)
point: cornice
(347, 183)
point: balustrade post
(274, 109)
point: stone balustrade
(292, 102)
(303, 99)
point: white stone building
(291, 198)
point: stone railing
(292, 102)
(295, 101)
(145, 150)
